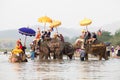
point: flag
(99, 32)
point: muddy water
(60, 70)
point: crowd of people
(86, 37)
(113, 51)
(42, 36)
(46, 35)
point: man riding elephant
(96, 48)
(53, 46)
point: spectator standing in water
(82, 54)
(108, 50)
(113, 51)
(32, 51)
(118, 52)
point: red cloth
(20, 46)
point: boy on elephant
(94, 37)
(38, 35)
(19, 44)
(87, 37)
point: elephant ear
(68, 46)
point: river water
(60, 70)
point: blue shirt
(82, 53)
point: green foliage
(116, 38)
(105, 37)
(71, 40)
(117, 33)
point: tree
(105, 37)
(115, 40)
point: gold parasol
(45, 19)
(85, 22)
(55, 24)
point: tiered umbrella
(55, 24)
(45, 19)
(85, 22)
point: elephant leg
(100, 57)
(59, 56)
(105, 56)
(46, 57)
(49, 55)
(70, 56)
(86, 57)
(41, 55)
(54, 57)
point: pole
(86, 28)
(56, 29)
(25, 40)
(44, 26)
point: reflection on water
(60, 70)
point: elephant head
(68, 49)
(56, 47)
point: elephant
(20, 57)
(44, 51)
(98, 49)
(68, 50)
(55, 48)
(41, 49)
(59, 49)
